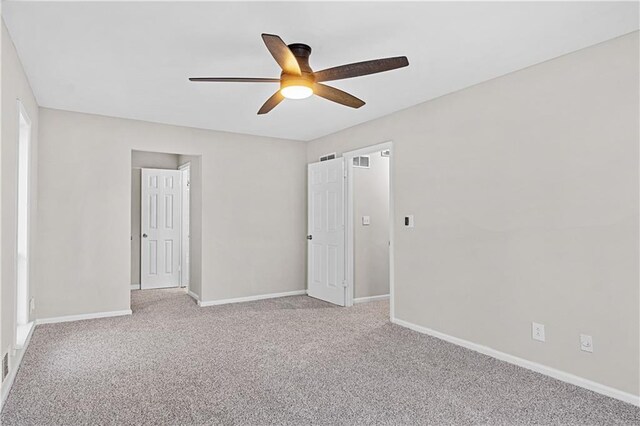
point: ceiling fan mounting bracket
(300, 49)
(302, 52)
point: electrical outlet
(366, 220)
(586, 343)
(537, 331)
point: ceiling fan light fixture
(296, 92)
(295, 87)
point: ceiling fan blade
(236, 79)
(282, 54)
(271, 103)
(337, 95)
(361, 68)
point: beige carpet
(293, 360)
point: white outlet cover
(537, 331)
(366, 220)
(586, 343)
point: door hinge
(344, 284)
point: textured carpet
(293, 360)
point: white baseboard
(193, 295)
(371, 298)
(135, 286)
(83, 317)
(250, 298)
(8, 381)
(530, 365)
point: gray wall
(371, 242)
(14, 85)
(525, 196)
(139, 160)
(253, 209)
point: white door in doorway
(185, 169)
(160, 226)
(325, 246)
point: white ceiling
(132, 59)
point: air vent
(5, 366)
(361, 161)
(328, 157)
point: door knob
(144, 235)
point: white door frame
(350, 220)
(22, 324)
(185, 240)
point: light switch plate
(366, 220)
(408, 221)
(537, 331)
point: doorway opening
(23, 325)
(369, 225)
(350, 227)
(165, 218)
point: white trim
(185, 204)
(193, 295)
(529, 365)
(135, 286)
(371, 298)
(83, 317)
(350, 228)
(8, 381)
(23, 115)
(29, 328)
(250, 298)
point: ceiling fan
(299, 81)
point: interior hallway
(292, 360)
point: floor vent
(328, 157)
(5, 366)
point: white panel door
(161, 228)
(186, 238)
(325, 246)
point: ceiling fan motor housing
(301, 52)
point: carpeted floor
(292, 360)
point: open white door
(185, 169)
(325, 246)
(160, 226)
